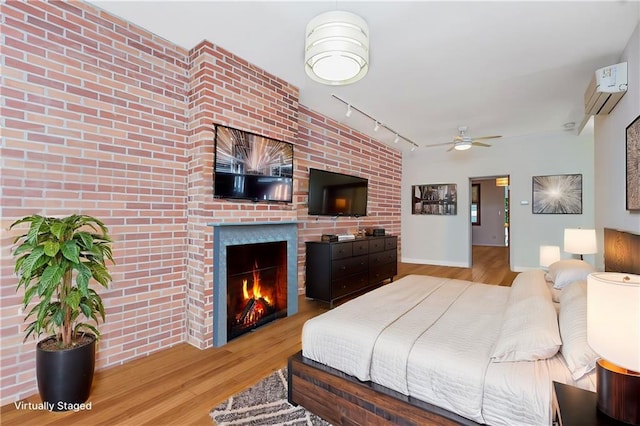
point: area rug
(264, 403)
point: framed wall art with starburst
(633, 165)
(557, 194)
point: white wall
(446, 240)
(610, 155)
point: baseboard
(435, 262)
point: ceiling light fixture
(378, 124)
(348, 113)
(462, 145)
(336, 48)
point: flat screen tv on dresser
(337, 194)
(248, 166)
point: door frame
(509, 237)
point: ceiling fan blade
(487, 137)
(451, 149)
(474, 143)
(438, 144)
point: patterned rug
(264, 403)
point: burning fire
(255, 291)
(257, 304)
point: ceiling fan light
(462, 145)
(337, 48)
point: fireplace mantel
(235, 233)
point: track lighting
(377, 124)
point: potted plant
(56, 262)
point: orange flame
(255, 290)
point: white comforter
(432, 338)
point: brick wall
(326, 144)
(94, 114)
(226, 89)
(103, 118)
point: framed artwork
(633, 165)
(557, 194)
(434, 199)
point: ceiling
(500, 67)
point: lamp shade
(549, 255)
(613, 317)
(580, 241)
(337, 48)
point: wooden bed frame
(342, 399)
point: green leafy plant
(49, 256)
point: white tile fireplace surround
(238, 233)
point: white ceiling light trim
(463, 145)
(336, 48)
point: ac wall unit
(606, 88)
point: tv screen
(337, 194)
(252, 167)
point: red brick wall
(226, 89)
(103, 118)
(94, 121)
(329, 145)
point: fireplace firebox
(256, 285)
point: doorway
(489, 212)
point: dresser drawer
(342, 250)
(360, 247)
(390, 243)
(381, 272)
(387, 256)
(349, 284)
(376, 244)
(353, 265)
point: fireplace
(256, 285)
(229, 237)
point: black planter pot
(65, 376)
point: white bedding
(432, 338)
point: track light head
(348, 113)
(397, 139)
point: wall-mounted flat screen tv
(252, 167)
(337, 194)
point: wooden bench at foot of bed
(344, 400)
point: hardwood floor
(180, 385)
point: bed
(428, 350)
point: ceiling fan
(463, 142)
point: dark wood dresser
(338, 269)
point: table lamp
(580, 241)
(549, 255)
(613, 332)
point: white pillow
(555, 292)
(529, 332)
(581, 359)
(564, 272)
(529, 329)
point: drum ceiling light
(337, 48)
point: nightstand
(573, 406)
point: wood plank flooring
(180, 385)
